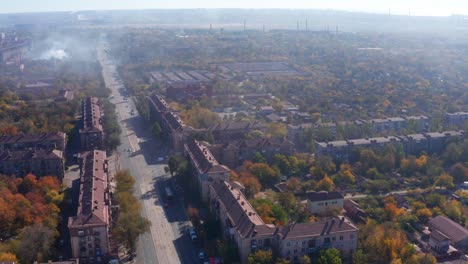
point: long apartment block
(91, 131)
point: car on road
(201, 254)
(192, 234)
(160, 158)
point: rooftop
(91, 115)
(204, 160)
(449, 228)
(30, 155)
(323, 196)
(239, 125)
(320, 228)
(27, 138)
(93, 205)
(159, 102)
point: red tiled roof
(93, 201)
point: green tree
(36, 243)
(265, 174)
(258, 158)
(305, 260)
(329, 256)
(359, 257)
(125, 181)
(173, 164)
(325, 184)
(260, 257)
(459, 172)
(445, 180)
(129, 226)
(156, 130)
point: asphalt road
(166, 242)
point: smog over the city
(250, 132)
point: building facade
(37, 162)
(322, 202)
(297, 240)
(89, 229)
(42, 141)
(456, 119)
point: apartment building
(37, 162)
(234, 153)
(239, 221)
(297, 240)
(412, 144)
(183, 91)
(41, 141)
(206, 168)
(241, 224)
(91, 131)
(456, 119)
(13, 48)
(379, 125)
(322, 202)
(89, 229)
(234, 130)
(172, 126)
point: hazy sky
(416, 7)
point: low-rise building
(235, 152)
(354, 211)
(64, 96)
(455, 119)
(91, 131)
(322, 202)
(37, 162)
(433, 142)
(89, 229)
(206, 168)
(188, 90)
(297, 240)
(41, 141)
(229, 131)
(457, 234)
(439, 242)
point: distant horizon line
(409, 14)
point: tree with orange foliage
(392, 211)
(325, 184)
(251, 184)
(10, 130)
(7, 256)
